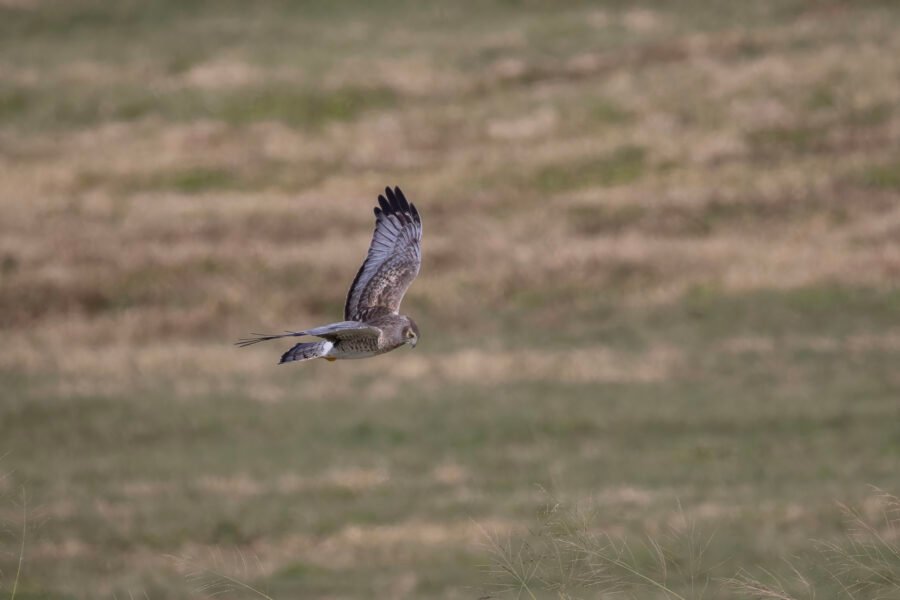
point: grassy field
(661, 289)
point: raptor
(372, 322)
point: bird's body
(373, 324)
(359, 340)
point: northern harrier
(373, 324)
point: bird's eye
(410, 334)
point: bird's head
(411, 333)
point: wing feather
(392, 262)
(343, 330)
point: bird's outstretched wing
(335, 331)
(392, 262)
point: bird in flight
(373, 324)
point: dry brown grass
(601, 187)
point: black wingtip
(401, 199)
(393, 202)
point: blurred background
(661, 266)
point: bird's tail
(264, 337)
(306, 351)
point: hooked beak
(413, 342)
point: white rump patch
(326, 348)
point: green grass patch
(582, 315)
(715, 215)
(601, 219)
(74, 106)
(885, 176)
(252, 175)
(50, 106)
(800, 138)
(608, 112)
(805, 310)
(199, 180)
(624, 165)
(872, 116)
(301, 108)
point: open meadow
(659, 302)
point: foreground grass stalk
(22, 548)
